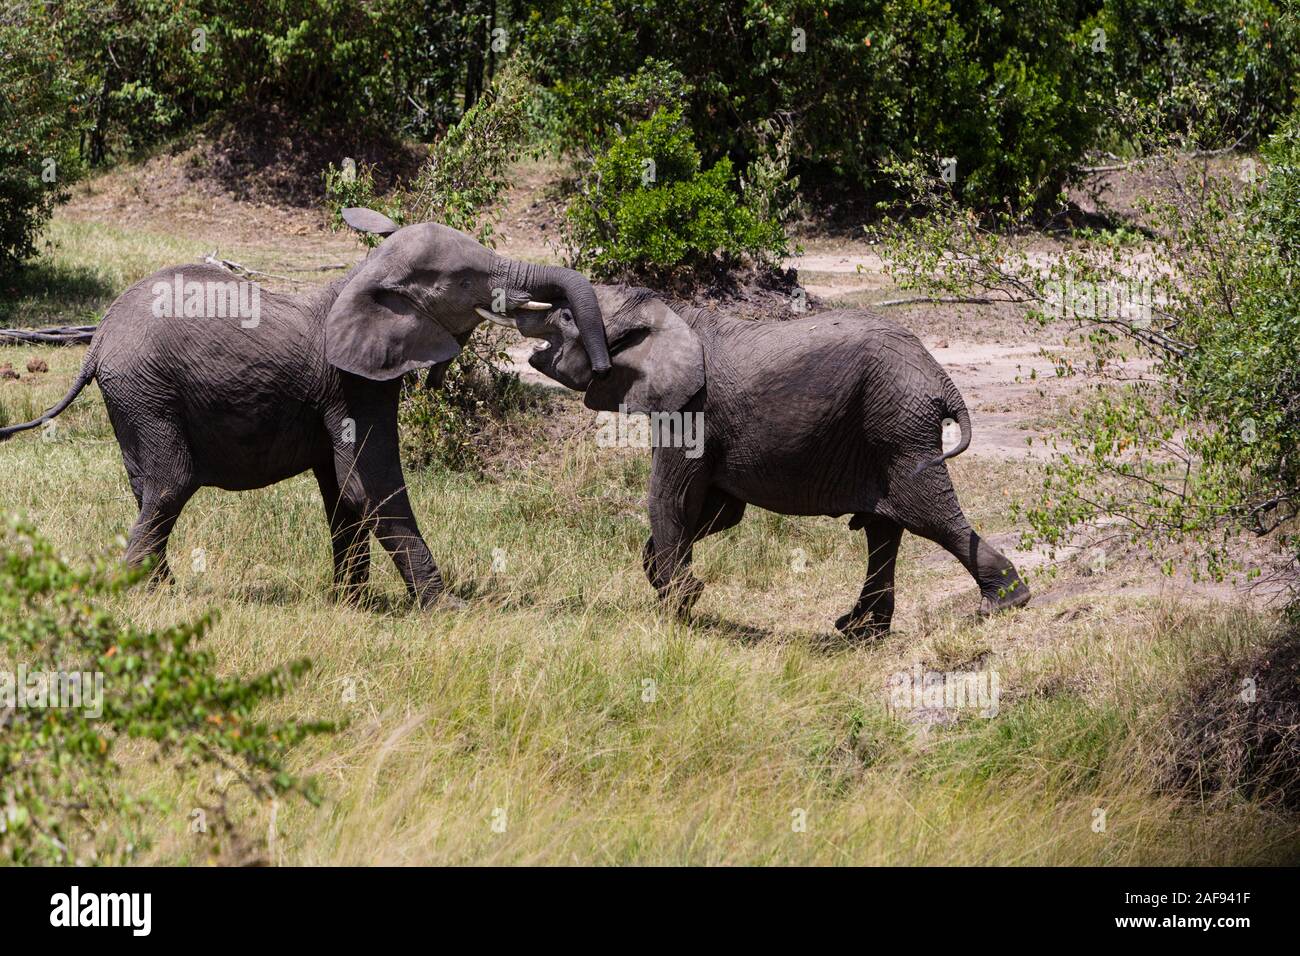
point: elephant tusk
(532, 306)
(494, 317)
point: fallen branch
(972, 300)
(325, 268)
(63, 335)
(213, 259)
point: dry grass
(530, 703)
(533, 706)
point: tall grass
(560, 718)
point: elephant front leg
(874, 611)
(676, 502)
(349, 537)
(398, 532)
(369, 474)
(719, 512)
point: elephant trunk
(553, 282)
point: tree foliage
(1190, 341)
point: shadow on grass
(823, 642)
(45, 293)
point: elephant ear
(367, 220)
(656, 362)
(374, 330)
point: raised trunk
(549, 283)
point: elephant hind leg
(927, 505)
(147, 541)
(874, 610)
(160, 469)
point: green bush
(465, 174)
(62, 800)
(138, 70)
(1199, 440)
(1243, 54)
(144, 70)
(38, 141)
(647, 209)
(460, 186)
(1210, 444)
(349, 187)
(1009, 89)
(442, 428)
(593, 110)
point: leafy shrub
(459, 186)
(1245, 54)
(594, 110)
(61, 796)
(647, 209)
(465, 174)
(38, 145)
(1009, 89)
(137, 69)
(442, 428)
(351, 186)
(1202, 440)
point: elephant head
(419, 294)
(656, 361)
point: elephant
(213, 382)
(837, 413)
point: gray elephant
(214, 382)
(838, 413)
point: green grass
(532, 701)
(85, 266)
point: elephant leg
(719, 512)
(349, 536)
(399, 533)
(368, 469)
(372, 489)
(872, 614)
(148, 537)
(162, 480)
(928, 506)
(678, 491)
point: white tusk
(494, 317)
(532, 306)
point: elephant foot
(868, 625)
(351, 595)
(1005, 598)
(450, 602)
(158, 575)
(441, 600)
(681, 595)
(438, 598)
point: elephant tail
(88, 370)
(955, 406)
